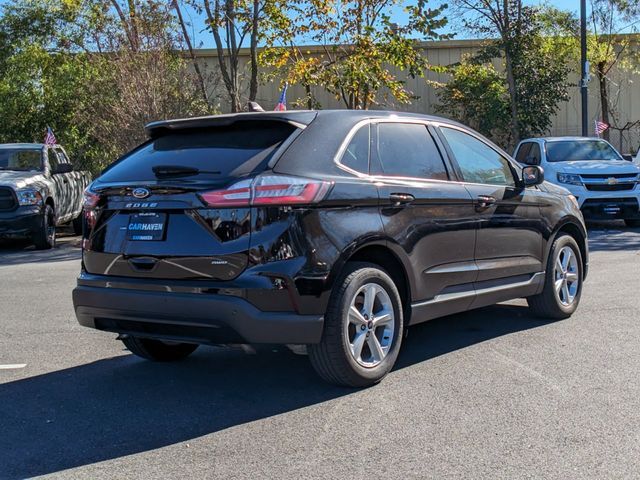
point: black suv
(330, 229)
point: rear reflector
(269, 190)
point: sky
(204, 39)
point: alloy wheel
(566, 276)
(370, 328)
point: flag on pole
(49, 137)
(600, 127)
(282, 103)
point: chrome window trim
(377, 178)
(516, 166)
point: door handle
(401, 198)
(484, 202)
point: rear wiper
(179, 171)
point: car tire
(45, 237)
(563, 281)
(157, 350)
(632, 223)
(360, 347)
(76, 223)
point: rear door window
(221, 152)
(407, 150)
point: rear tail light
(90, 200)
(269, 190)
(89, 204)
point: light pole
(584, 67)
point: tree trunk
(187, 39)
(253, 84)
(125, 26)
(515, 126)
(133, 21)
(307, 89)
(604, 97)
(229, 78)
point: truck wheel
(563, 281)
(632, 223)
(45, 237)
(157, 350)
(362, 330)
(76, 223)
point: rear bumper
(189, 317)
(20, 222)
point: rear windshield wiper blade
(179, 171)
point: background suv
(331, 229)
(605, 184)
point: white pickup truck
(39, 190)
(606, 185)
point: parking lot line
(12, 366)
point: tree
(361, 48)
(476, 95)
(231, 23)
(536, 78)
(94, 71)
(608, 49)
(40, 73)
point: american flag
(282, 103)
(49, 137)
(600, 127)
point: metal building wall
(566, 122)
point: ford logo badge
(141, 193)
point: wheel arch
(574, 228)
(381, 253)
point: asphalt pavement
(492, 393)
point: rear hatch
(147, 215)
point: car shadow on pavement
(16, 252)
(123, 405)
(612, 236)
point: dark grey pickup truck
(39, 190)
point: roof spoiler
(299, 119)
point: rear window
(222, 152)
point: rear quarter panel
(308, 246)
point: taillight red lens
(238, 195)
(91, 199)
(269, 190)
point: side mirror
(63, 168)
(531, 160)
(532, 175)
